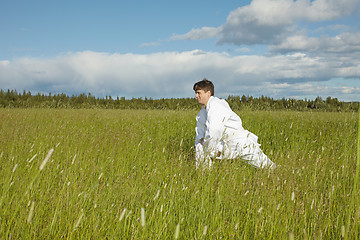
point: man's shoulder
(217, 102)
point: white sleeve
(200, 125)
(217, 116)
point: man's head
(205, 85)
(204, 89)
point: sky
(159, 49)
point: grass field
(130, 174)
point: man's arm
(202, 143)
(200, 126)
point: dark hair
(205, 85)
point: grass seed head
(32, 158)
(100, 176)
(142, 217)
(122, 215)
(237, 225)
(14, 167)
(31, 212)
(177, 231)
(157, 194)
(293, 196)
(73, 161)
(79, 220)
(205, 230)
(342, 231)
(291, 236)
(46, 159)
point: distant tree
(13, 99)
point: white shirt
(223, 133)
(217, 122)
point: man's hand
(201, 141)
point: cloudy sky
(159, 48)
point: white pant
(244, 147)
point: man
(220, 134)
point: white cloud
(343, 43)
(172, 74)
(350, 90)
(320, 10)
(198, 34)
(267, 21)
(4, 63)
(150, 44)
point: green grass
(108, 165)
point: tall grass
(131, 175)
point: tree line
(13, 99)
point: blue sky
(276, 48)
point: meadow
(130, 174)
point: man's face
(202, 96)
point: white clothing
(223, 133)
